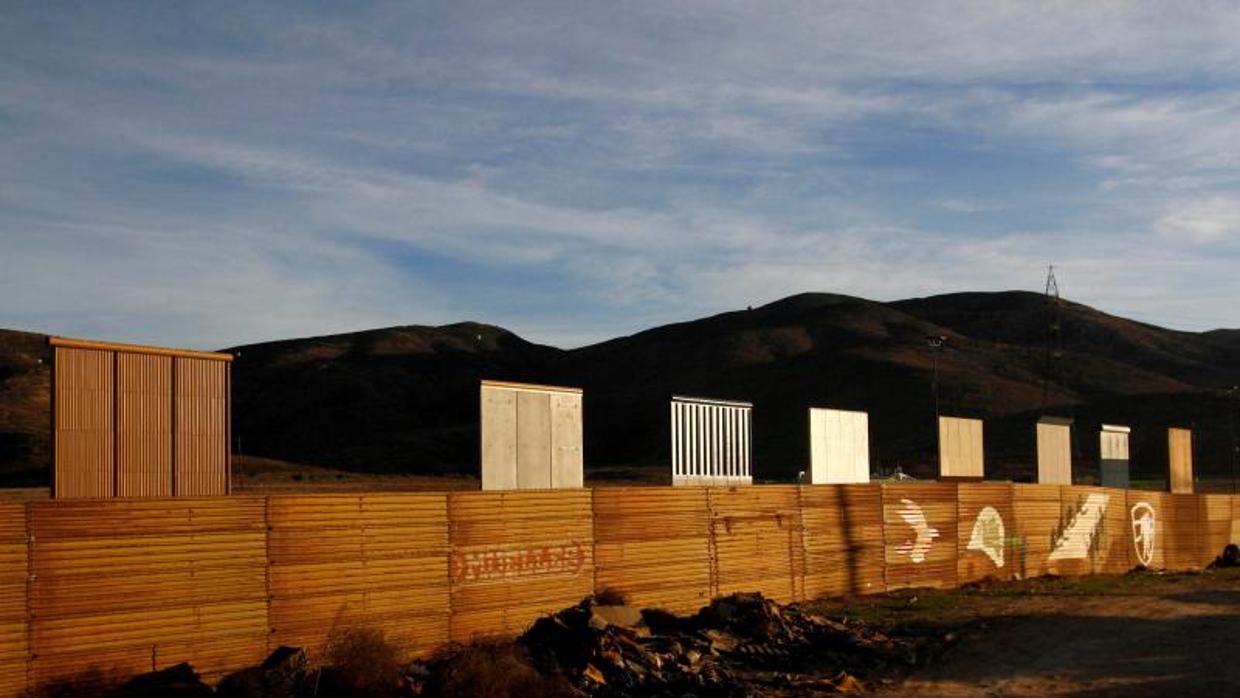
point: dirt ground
(1142, 634)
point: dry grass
(362, 663)
(491, 669)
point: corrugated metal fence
(126, 585)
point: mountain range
(405, 399)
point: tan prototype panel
(144, 425)
(1180, 450)
(960, 447)
(531, 437)
(1054, 454)
(839, 447)
(85, 430)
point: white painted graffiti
(1077, 539)
(916, 548)
(988, 535)
(1143, 531)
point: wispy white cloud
(226, 175)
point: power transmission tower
(1054, 335)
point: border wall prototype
(137, 421)
(122, 586)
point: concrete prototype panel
(1180, 449)
(531, 436)
(839, 447)
(710, 441)
(499, 438)
(1054, 452)
(533, 441)
(960, 447)
(1113, 448)
(566, 439)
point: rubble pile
(739, 646)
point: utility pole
(1054, 339)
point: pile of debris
(739, 646)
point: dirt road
(1136, 635)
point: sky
(208, 174)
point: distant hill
(405, 399)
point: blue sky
(208, 174)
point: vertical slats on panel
(1180, 451)
(986, 547)
(14, 627)
(516, 556)
(652, 545)
(842, 532)
(919, 529)
(124, 586)
(84, 439)
(201, 431)
(712, 444)
(758, 540)
(378, 561)
(144, 425)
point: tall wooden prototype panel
(139, 421)
(960, 448)
(711, 441)
(839, 447)
(1180, 450)
(1054, 451)
(531, 436)
(1113, 448)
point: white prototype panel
(711, 442)
(839, 446)
(531, 436)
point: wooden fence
(122, 586)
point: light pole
(1234, 392)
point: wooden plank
(960, 447)
(1054, 454)
(1180, 448)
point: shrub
(491, 669)
(360, 662)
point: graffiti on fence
(1143, 531)
(514, 564)
(988, 535)
(1081, 529)
(924, 534)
